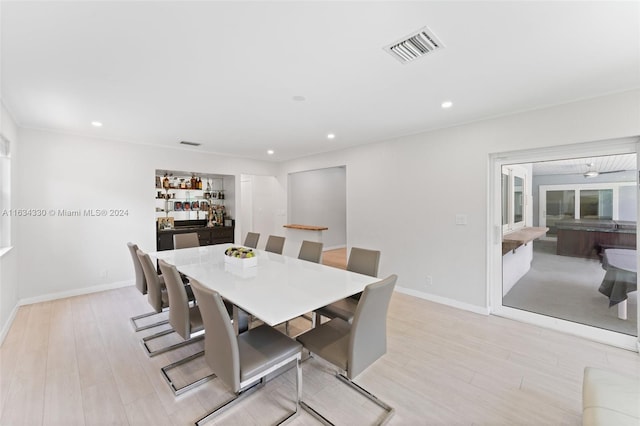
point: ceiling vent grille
(414, 45)
(190, 143)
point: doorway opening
(568, 238)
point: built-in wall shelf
(306, 227)
(521, 237)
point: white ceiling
(579, 166)
(224, 73)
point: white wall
(9, 261)
(431, 177)
(318, 197)
(71, 255)
(268, 200)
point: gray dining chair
(181, 241)
(354, 347)
(141, 285)
(159, 301)
(362, 261)
(186, 321)
(275, 244)
(243, 361)
(251, 240)
(156, 291)
(310, 251)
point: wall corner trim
(444, 301)
(7, 326)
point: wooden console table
(306, 227)
(521, 237)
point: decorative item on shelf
(210, 223)
(199, 183)
(165, 182)
(165, 223)
(158, 182)
(194, 182)
(183, 185)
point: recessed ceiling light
(446, 104)
(299, 98)
(270, 152)
(96, 124)
(331, 136)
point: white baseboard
(74, 292)
(444, 301)
(7, 325)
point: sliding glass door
(558, 279)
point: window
(5, 192)
(514, 197)
(598, 201)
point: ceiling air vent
(414, 45)
(190, 143)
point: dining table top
(277, 289)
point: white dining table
(279, 288)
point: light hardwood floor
(77, 361)
(336, 258)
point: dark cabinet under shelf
(206, 236)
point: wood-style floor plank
(78, 361)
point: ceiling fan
(591, 173)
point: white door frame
(494, 233)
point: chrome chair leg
(249, 390)
(229, 403)
(322, 419)
(177, 391)
(390, 411)
(137, 328)
(152, 353)
(371, 397)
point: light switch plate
(461, 219)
